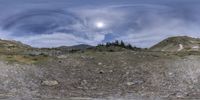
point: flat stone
(99, 63)
(50, 83)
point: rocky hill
(176, 44)
(12, 46)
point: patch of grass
(25, 59)
(187, 53)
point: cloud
(54, 40)
(149, 26)
(163, 28)
(140, 24)
(44, 27)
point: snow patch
(180, 47)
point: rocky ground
(122, 75)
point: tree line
(120, 44)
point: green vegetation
(116, 46)
(25, 59)
(13, 51)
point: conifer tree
(129, 46)
(116, 43)
(122, 44)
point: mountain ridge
(170, 44)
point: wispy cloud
(140, 24)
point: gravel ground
(103, 75)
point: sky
(54, 23)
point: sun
(100, 24)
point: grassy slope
(13, 51)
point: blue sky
(53, 23)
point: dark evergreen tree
(129, 46)
(122, 44)
(108, 44)
(116, 43)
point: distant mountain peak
(79, 46)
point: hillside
(12, 46)
(79, 47)
(179, 43)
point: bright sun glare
(100, 24)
